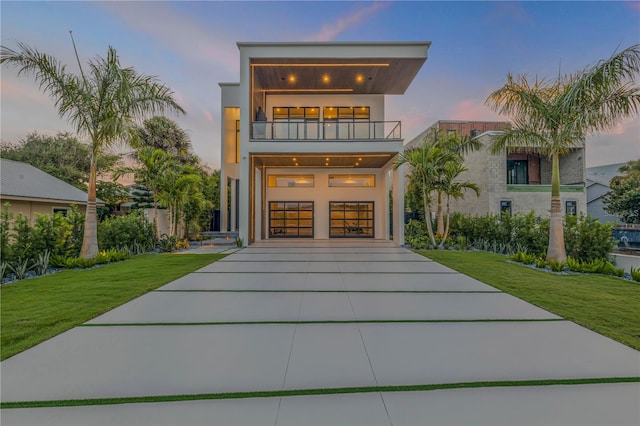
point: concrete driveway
(308, 315)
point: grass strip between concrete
(314, 391)
(171, 324)
(333, 291)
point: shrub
(168, 244)
(635, 274)
(587, 239)
(125, 231)
(556, 266)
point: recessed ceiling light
(325, 78)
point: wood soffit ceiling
(390, 76)
(364, 161)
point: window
(346, 113)
(237, 141)
(296, 122)
(351, 219)
(291, 219)
(290, 181)
(62, 210)
(571, 207)
(517, 172)
(352, 180)
(505, 206)
(475, 133)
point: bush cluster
(586, 239)
(132, 232)
(55, 241)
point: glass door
(291, 219)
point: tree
(102, 104)
(62, 156)
(163, 133)
(552, 116)
(452, 187)
(624, 198)
(427, 163)
(113, 194)
(459, 145)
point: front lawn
(607, 305)
(37, 309)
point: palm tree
(551, 117)
(460, 145)
(102, 105)
(452, 187)
(427, 163)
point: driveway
(348, 332)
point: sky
(191, 47)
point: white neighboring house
(598, 179)
(519, 182)
(30, 191)
(307, 147)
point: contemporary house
(30, 191)
(519, 182)
(460, 127)
(307, 146)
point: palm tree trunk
(556, 249)
(445, 234)
(90, 239)
(440, 216)
(427, 217)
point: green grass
(606, 305)
(313, 391)
(37, 309)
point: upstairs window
(296, 113)
(505, 206)
(517, 172)
(346, 113)
(571, 207)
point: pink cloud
(208, 116)
(330, 31)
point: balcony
(330, 130)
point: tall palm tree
(102, 105)
(427, 163)
(552, 117)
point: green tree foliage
(62, 156)
(624, 198)
(552, 116)
(102, 105)
(130, 232)
(163, 133)
(113, 194)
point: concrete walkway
(291, 315)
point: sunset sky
(191, 47)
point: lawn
(37, 309)
(606, 305)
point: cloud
(332, 30)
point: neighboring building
(598, 179)
(459, 127)
(518, 182)
(31, 191)
(307, 147)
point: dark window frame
(281, 231)
(352, 229)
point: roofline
(333, 43)
(46, 200)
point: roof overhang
(335, 68)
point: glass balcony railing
(330, 130)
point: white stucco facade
(307, 146)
